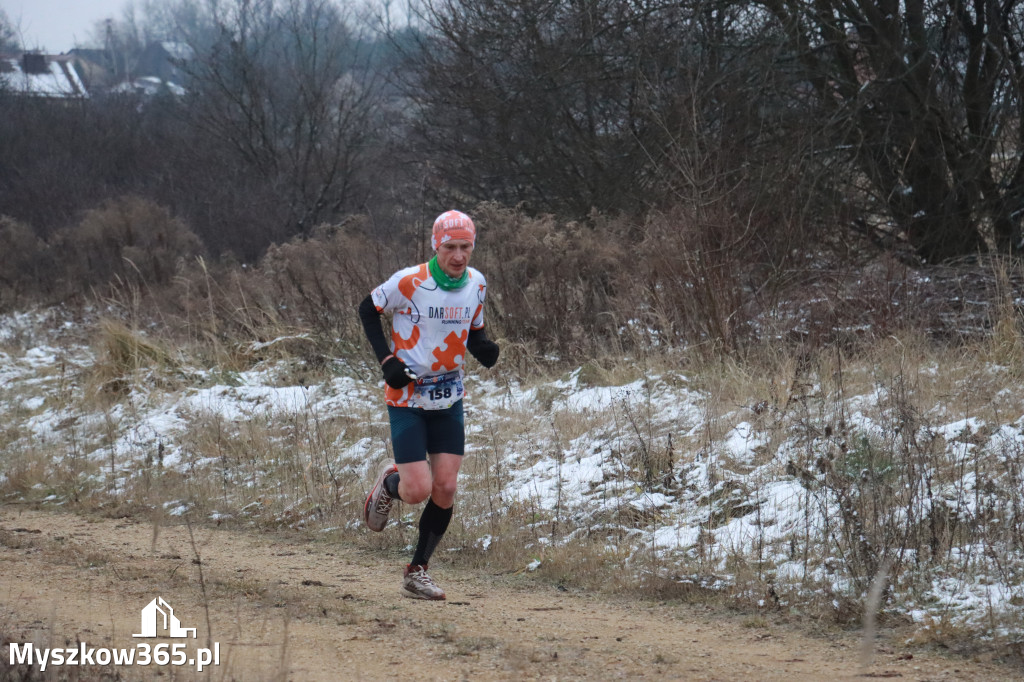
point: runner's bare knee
(414, 491)
(443, 492)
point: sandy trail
(284, 608)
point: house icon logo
(158, 619)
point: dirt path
(284, 608)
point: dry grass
(308, 468)
(905, 489)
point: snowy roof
(45, 76)
(177, 50)
(148, 86)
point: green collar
(443, 280)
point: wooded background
(719, 156)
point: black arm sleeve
(482, 348)
(475, 338)
(373, 329)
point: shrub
(23, 263)
(130, 240)
(308, 287)
(550, 283)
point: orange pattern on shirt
(405, 344)
(398, 397)
(408, 284)
(455, 345)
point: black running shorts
(416, 432)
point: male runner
(437, 315)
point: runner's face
(453, 256)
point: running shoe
(418, 585)
(379, 502)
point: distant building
(148, 86)
(164, 60)
(40, 75)
(158, 69)
(98, 69)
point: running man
(437, 313)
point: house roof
(176, 50)
(41, 75)
(148, 86)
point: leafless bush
(322, 280)
(902, 489)
(300, 299)
(695, 286)
(129, 239)
(23, 263)
(550, 282)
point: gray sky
(57, 25)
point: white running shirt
(429, 325)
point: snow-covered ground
(789, 493)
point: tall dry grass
(791, 351)
(884, 482)
(722, 276)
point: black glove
(396, 373)
(484, 350)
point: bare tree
(924, 98)
(191, 21)
(548, 102)
(911, 112)
(285, 88)
(596, 104)
(122, 39)
(9, 41)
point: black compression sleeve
(373, 329)
(475, 336)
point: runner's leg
(409, 440)
(437, 514)
(444, 468)
(437, 479)
(446, 443)
(414, 481)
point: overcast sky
(56, 26)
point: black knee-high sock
(433, 524)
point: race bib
(438, 392)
